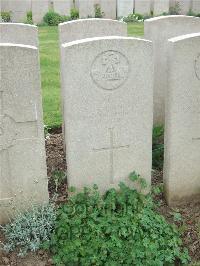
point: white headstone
(88, 28)
(109, 8)
(159, 30)
(124, 8)
(108, 120)
(182, 122)
(143, 7)
(86, 8)
(23, 177)
(161, 6)
(19, 33)
(185, 6)
(196, 6)
(39, 9)
(62, 7)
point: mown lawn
(50, 70)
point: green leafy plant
(58, 178)
(52, 18)
(158, 147)
(74, 13)
(120, 227)
(30, 229)
(29, 17)
(6, 16)
(98, 12)
(133, 18)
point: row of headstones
(107, 100)
(110, 9)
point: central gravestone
(108, 110)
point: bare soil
(190, 222)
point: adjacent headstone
(62, 7)
(87, 28)
(160, 7)
(196, 6)
(17, 8)
(159, 30)
(86, 8)
(124, 8)
(184, 6)
(23, 177)
(108, 120)
(143, 7)
(19, 33)
(182, 122)
(109, 8)
(39, 9)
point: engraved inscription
(197, 66)
(111, 149)
(110, 70)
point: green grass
(50, 70)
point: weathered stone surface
(159, 30)
(19, 33)
(109, 8)
(196, 6)
(86, 8)
(108, 120)
(124, 8)
(17, 8)
(143, 6)
(23, 177)
(160, 6)
(182, 126)
(62, 7)
(39, 9)
(87, 28)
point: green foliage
(74, 13)
(6, 16)
(133, 18)
(58, 178)
(29, 229)
(29, 17)
(98, 13)
(158, 147)
(52, 18)
(119, 228)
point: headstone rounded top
(88, 20)
(171, 18)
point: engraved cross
(111, 149)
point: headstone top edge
(106, 38)
(18, 46)
(170, 17)
(184, 37)
(18, 24)
(91, 19)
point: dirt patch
(190, 221)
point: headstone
(39, 9)
(185, 6)
(86, 8)
(143, 7)
(196, 6)
(160, 7)
(62, 7)
(17, 8)
(19, 33)
(109, 8)
(124, 8)
(182, 126)
(108, 120)
(23, 177)
(159, 30)
(88, 28)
